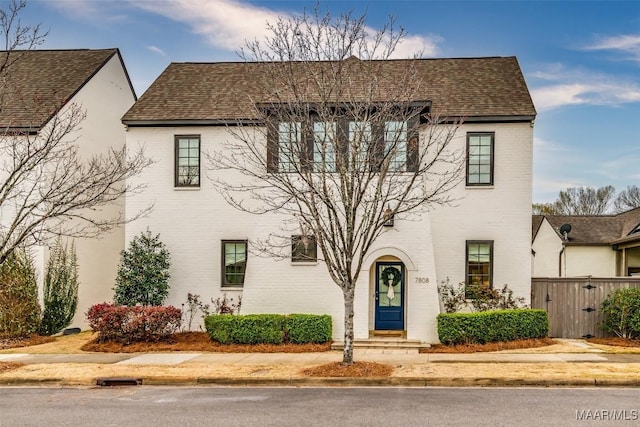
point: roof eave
(232, 122)
(191, 122)
(499, 119)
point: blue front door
(389, 296)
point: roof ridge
(62, 50)
(345, 59)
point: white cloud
(628, 43)
(561, 86)
(157, 50)
(228, 24)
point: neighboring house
(575, 245)
(43, 84)
(484, 236)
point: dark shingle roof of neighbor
(228, 91)
(536, 222)
(42, 81)
(598, 229)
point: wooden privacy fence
(573, 303)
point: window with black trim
(324, 147)
(187, 170)
(360, 142)
(479, 265)
(234, 262)
(289, 140)
(304, 249)
(321, 146)
(395, 145)
(480, 158)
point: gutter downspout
(560, 261)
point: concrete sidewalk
(589, 367)
(381, 356)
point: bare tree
(628, 198)
(544, 208)
(582, 201)
(336, 151)
(47, 189)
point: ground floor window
(479, 265)
(304, 249)
(234, 262)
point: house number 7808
(422, 280)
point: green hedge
(268, 328)
(490, 326)
(308, 328)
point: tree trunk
(347, 353)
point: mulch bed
(198, 342)
(617, 341)
(24, 341)
(357, 369)
(490, 346)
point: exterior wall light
(388, 217)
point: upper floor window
(187, 169)
(319, 146)
(234, 262)
(479, 261)
(480, 158)
(395, 145)
(289, 148)
(304, 249)
(324, 150)
(360, 139)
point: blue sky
(581, 59)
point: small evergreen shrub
(308, 328)
(60, 289)
(143, 273)
(246, 329)
(621, 311)
(133, 324)
(490, 326)
(268, 328)
(19, 307)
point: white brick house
(485, 236)
(46, 83)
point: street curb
(337, 382)
(398, 382)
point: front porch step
(382, 344)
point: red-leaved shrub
(133, 324)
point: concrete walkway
(386, 356)
(587, 367)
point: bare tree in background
(47, 189)
(628, 198)
(579, 201)
(338, 153)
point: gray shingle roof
(536, 222)
(600, 229)
(462, 87)
(40, 82)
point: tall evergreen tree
(60, 290)
(143, 273)
(19, 308)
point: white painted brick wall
(193, 222)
